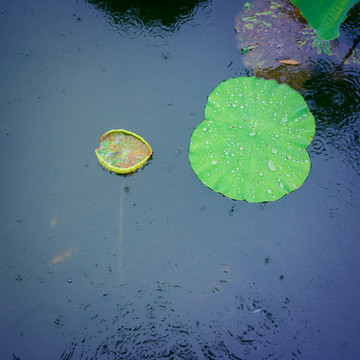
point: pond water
(155, 265)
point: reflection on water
(351, 25)
(334, 93)
(133, 18)
(333, 96)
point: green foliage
(252, 144)
(325, 16)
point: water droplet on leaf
(271, 165)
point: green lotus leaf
(325, 16)
(252, 144)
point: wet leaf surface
(252, 145)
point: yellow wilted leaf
(289, 62)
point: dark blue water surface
(155, 265)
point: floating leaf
(289, 62)
(252, 144)
(122, 151)
(249, 48)
(325, 16)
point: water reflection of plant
(334, 98)
(130, 14)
